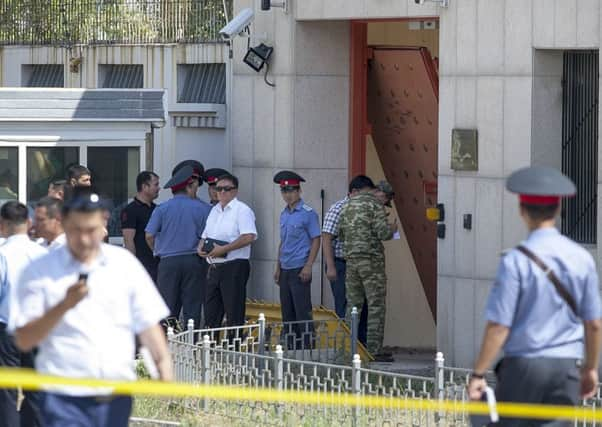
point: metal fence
(63, 23)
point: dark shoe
(383, 358)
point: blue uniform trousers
(295, 302)
(73, 411)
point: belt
(103, 398)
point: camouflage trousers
(366, 277)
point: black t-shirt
(135, 216)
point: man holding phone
(226, 244)
(83, 305)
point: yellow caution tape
(29, 380)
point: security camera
(238, 24)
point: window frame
(83, 146)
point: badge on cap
(288, 179)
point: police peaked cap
(288, 179)
(211, 176)
(182, 178)
(540, 185)
(197, 167)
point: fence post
(356, 383)
(205, 367)
(261, 322)
(439, 382)
(172, 350)
(190, 329)
(279, 375)
(354, 328)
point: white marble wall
(487, 82)
(301, 124)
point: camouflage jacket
(363, 226)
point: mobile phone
(83, 277)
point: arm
(384, 230)
(30, 335)
(242, 241)
(313, 252)
(150, 241)
(128, 239)
(331, 271)
(277, 270)
(589, 372)
(494, 338)
(153, 338)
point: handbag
(560, 288)
(209, 243)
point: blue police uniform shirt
(297, 229)
(177, 225)
(522, 298)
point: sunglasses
(288, 189)
(226, 189)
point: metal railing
(64, 23)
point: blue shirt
(522, 298)
(177, 225)
(297, 230)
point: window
(202, 83)
(47, 164)
(9, 174)
(43, 75)
(114, 171)
(129, 76)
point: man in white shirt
(82, 305)
(48, 224)
(233, 222)
(15, 255)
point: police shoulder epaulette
(505, 252)
(307, 207)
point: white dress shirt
(59, 241)
(96, 338)
(228, 224)
(18, 252)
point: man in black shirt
(134, 218)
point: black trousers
(181, 281)
(541, 380)
(227, 293)
(295, 302)
(29, 415)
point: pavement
(409, 361)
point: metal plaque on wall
(464, 150)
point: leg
(338, 289)
(115, 413)
(31, 407)
(191, 292)
(214, 305)
(168, 285)
(234, 290)
(301, 296)
(66, 411)
(354, 289)
(288, 334)
(9, 357)
(362, 327)
(375, 285)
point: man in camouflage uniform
(362, 228)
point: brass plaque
(464, 150)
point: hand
(305, 274)
(476, 388)
(331, 272)
(199, 249)
(589, 382)
(218, 251)
(277, 275)
(75, 294)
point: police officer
(544, 307)
(299, 245)
(362, 228)
(211, 177)
(384, 193)
(173, 232)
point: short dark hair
(230, 178)
(360, 182)
(76, 171)
(144, 177)
(59, 183)
(13, 212)
(540, 212)
(83, 200)
(53, 206)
